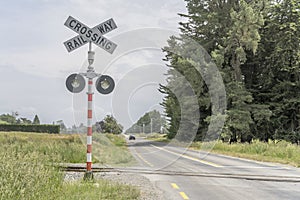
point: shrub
(44, 128)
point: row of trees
(108, 125)
(12, 122)
(256, 47)
(150, 122)
(12, 119)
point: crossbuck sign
(94, 35)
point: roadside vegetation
(111, 150)
(273, 151)
(281, 152)
(28, 165)
(255, 46)
(100, 189)
(157, 137)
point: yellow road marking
(144, 160)
(189, 157)
(184, 196)
(175, 186)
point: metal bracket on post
(90, 74)
(91, 57)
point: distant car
(131, 137)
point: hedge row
(44, 128)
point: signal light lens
(75, 83)
(105, 84)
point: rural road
(182, 174)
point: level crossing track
(187, 174)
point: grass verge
(100, 189)
(112, 150)
(281, 152)
(28, 169)
(157, 137)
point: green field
(29, 171)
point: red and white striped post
(89, 140)
(89, 127)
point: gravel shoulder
(147, 188)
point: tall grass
(111, 150)
(101, 189)
(58, 148)
(281, 152)
(28, 169)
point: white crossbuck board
(87, 34)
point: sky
(34, 63)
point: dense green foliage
(150, 121)
(36, 120)
(12, 123)
(44, 128)
(108, 125)
(14, 119)
(256, 47)
(7, 118)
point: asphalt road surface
(185, 174)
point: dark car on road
(131, 137)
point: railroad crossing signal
(87, 34)
(75, 83)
